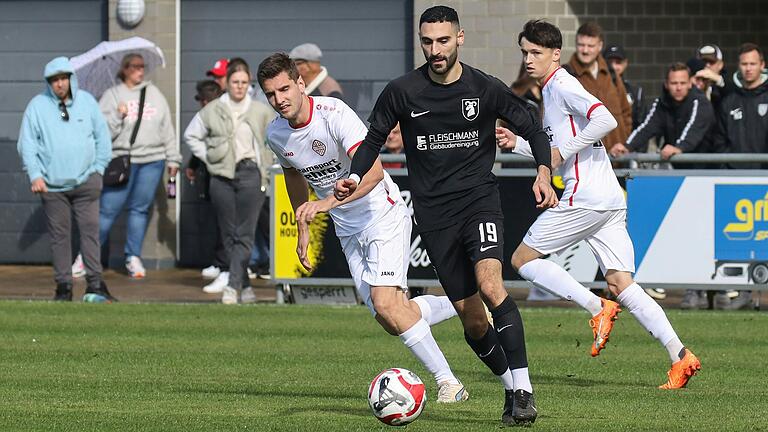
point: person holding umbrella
(140, 122)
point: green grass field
(86, 367)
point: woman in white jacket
(228, 135)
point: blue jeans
(137, 196)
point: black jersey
(449, 138)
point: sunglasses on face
(136, 66)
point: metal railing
(683, 158)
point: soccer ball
(397, 396)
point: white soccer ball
(397, 396)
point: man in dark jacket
(744, 113)
(682, 116)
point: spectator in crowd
(307, 57)
(393, 145)
(228, 136)
(695, 65)
(685, 121)
(64, 145)
(154, 147)
(714, 73)
(589, 67)
(617, 59)
(744, 129)
(218, 73)
(197, 174)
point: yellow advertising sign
(285, 236)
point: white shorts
(605, 231)
(378, 255)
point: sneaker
(743, 300)
(448, 392)
(135, 267)
(519, 408)
(101, 291)
(656, 293)
(63, 292)
(211, 272)
(681, 371)
(218, 284)
(229, 295)
(265, 274)
(248, 296)
(602, 324)
(693, 299)
(251, 274)
(78, 268)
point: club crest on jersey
(318, 147)
(762, 109)
(470, 108)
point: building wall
(158, 26)
(654, 33)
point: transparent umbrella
(97, 68)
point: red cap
(219, 68)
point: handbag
(119, 168)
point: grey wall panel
(31, 34)
(365, 44)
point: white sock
(553, 278)
(435, 309)
(422, 344)
(506, 379)
(521, 380)
(652, 317)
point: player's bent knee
(385, 325)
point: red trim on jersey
(311, 110)
(575, 163)
(575, 185)
(353, 147)
(592, 108)
(391, 201)
(550, 76)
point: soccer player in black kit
(447, 113)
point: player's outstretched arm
(298, 192)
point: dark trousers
(238, 203)
(83, 201)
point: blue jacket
(63, 153)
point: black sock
(489, 351)
(509, 327)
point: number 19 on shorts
(488, 231)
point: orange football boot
(681, 371)
(602, 324)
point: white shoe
(211, 272)
(78, 268)
(248, 296)
(135, 267)
(218, 284)
(251, 274)
(448, 392)
(656, 293)
(229, 295)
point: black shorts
(455, 250)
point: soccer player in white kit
(592, 207)
(314, 140)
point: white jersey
(588, 176)
(320, 150)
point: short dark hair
(237, 64)
(207, 90)
(437, 14)
(749, 47)
(541, 33)
(274, 65)
(590, 28)
(677, 67)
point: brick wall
(158, 26)
(654, 33)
